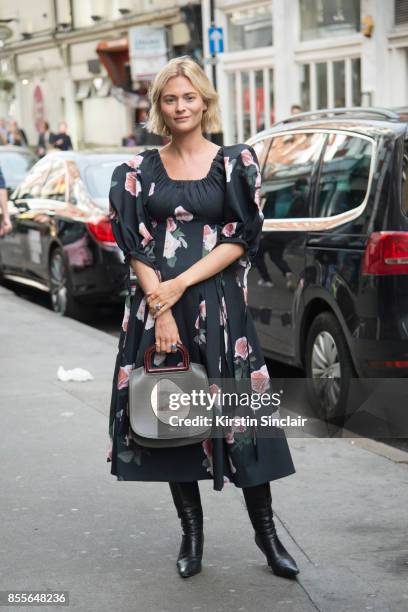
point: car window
(287, 174)
(98, 178)
(32, 185)
(344, 174)
(15, 167)
(55, 185)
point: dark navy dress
(169, 225)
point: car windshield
(15, 167)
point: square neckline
(188, 180)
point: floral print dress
(169, 225)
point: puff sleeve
(130, 221)
(243, 217)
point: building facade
(71, 59)
(313, 53)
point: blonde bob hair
(183, 66)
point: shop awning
(114, 55)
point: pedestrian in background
(201, 198)
(295, 109)
(5, 223)
(16, 135)
(45, 136)
(3, 132)
(61, 140)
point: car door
(14, 247)
(288, 178)
(39, 220)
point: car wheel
(329, 368)
(62, 300)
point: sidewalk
(67, 524)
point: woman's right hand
(166, 332)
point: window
(250, 28)
(326, 18)
(335, 84)
(344, 174)
(287, 174)
(251, 94)
(401, 12)
(33, 184)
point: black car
(329, 289)
(62, 241)
(15, 162)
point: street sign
(216, 40)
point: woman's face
(181, 104)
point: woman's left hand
(166, 294)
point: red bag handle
(152, 349)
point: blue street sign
(216, 40)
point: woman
(188, 221)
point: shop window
(334, 91)
(250, 28)
(327, 18)
(401, 12)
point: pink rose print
(151, 190)
(260, 379)
(257, 197)
(202, 314)
(170, 224)
(202, 309)
(171, 244)
(135, 161)
(141, 310)
(258, 180)
(143, 231)
(209, 237)
(130, 183)
(229, 229)
(241, 348)
(229, 437)
(228, 168)
(182, 214)
(245, 292)
(247, 157)
(223, 312)
(125, 320)
(123, 376)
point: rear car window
(344, 174)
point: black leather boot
(258, 500)
(186, 496)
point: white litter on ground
(77, 375)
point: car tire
(329, 369)
(62, 300)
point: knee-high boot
(258, 501)
(186, 496)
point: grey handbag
(157, 418)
